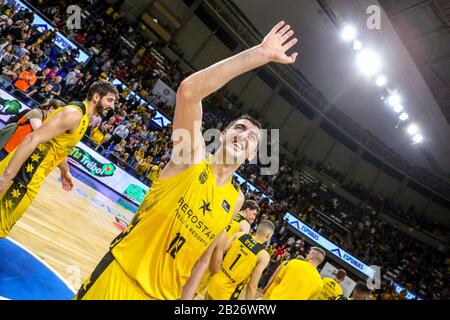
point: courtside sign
(328, 245)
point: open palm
(278, 41)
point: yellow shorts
(13, 204)
(109, 282)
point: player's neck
(223, 172)
(90, 109)
(259, 239)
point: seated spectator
(26, 79)
(119, 149)
(123, 162)
(155, 171)
(20, 50)
(142, 167)
(56, 84)
(7, 54)
(41, 94)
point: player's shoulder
(72, 111)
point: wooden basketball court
(69, 231)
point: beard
(99, 108)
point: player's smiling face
(240, 141)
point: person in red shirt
(26, 79)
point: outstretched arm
(188, 111)
(65, 120)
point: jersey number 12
(176, 245)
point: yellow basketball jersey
(47, 155)
(236, 268)
(231, 229)
(331, 289)
(300, 280)
(235, 225)
(177, 221)
(275, 282)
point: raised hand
(278, 41)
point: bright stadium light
(412, 129)
(348, 33)
(381, 81)
(394, 100)
(357, 45)
(403, 116)
(418, 138)
(368, 61)
(398, 108)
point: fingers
(283, 30)
(289, 44)
(293, 57)
(277, 27)
(286, 36)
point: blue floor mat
(23, 277)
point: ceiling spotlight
(381, 81)
(357, 45)
(368, 61)
(348, 33)
(403, 116)
(412, 129)
(398, 108)
(418, 138)
(394, 100)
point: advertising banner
(106, 172)
(9, 106)
(328, 245)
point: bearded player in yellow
(167, 247)
(44, 149)
(244, 262)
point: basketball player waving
(167, 247)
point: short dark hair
(340, 274)
(250, 204)
(102, 87)
(245, 117)
(361, 287)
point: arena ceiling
(414, 44)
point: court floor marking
(44, 263)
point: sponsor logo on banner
(95, 168)
(9, 106)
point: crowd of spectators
(39, 70)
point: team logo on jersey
(203, 177)
(205, 207)
(226, 206)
